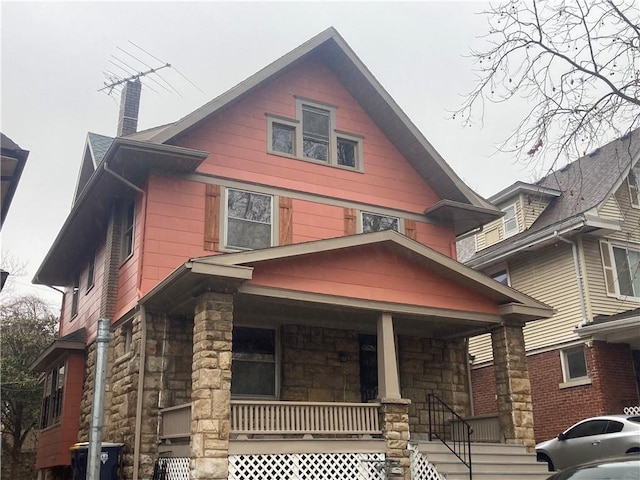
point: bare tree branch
(576, 62)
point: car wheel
(541, 457)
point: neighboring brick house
(571, 240)
(278, 264)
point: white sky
(53, 56)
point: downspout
(144, 221)
(143, 328)
(576, 266)
(138, 426)
(470, 383)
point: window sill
(126, 260)
(315, 162)
(89, 289)
(578, 382)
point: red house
(279, 271)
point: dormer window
(509, 221)
(313, 136)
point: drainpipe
(468, 369)
(97, 409)
(576, 266)
(144, 219)
(138, 426)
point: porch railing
(451, 429)
(283, 418)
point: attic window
(372, 222)
(312, 136)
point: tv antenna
(133, 70)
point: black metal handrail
(455, 435)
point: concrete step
(490, 461)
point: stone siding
(432, 366)
(312, 370)
(87, 393)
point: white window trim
(277, 366)
(123, 218)
(634, 190)
(515, 218)
(567, 380)
(360, 228)
(619, 295)
(275, 219)
(334, 135)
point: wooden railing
(283, 418)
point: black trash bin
(110, 461)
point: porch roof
(235, 272)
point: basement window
(574, 367)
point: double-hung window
(254, 367)
(373, 222)
(627, 264)
(91, 269)
(127, 222)
(509, 221)
(53, 396)
(249, 220)
(313, 136)
(75, 294)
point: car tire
(541, 457)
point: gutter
(548, 233)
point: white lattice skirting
(421, 468)
(307, 466)
(632, 410)
(303, 466)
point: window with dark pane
(248, 220)
(253, 370)
(91, 268)
(128, 217)
(372, 222)
(53, 394)
(347, 151)
(576, 363)
(315, 133)
(75, 293)
(283, 138)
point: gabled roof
(96, 147)
(585, 184)
(331, 48)
(235, 268)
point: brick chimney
(129, 107)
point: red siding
(54, 442)
(370, 273)
(236, 140)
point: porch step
(489, 460)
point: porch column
(513, 388)
(394, 415)
(211, 387)
(388, 383)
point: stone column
(211, 387)
(394, 415)
(513, 388)
(388, 383)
